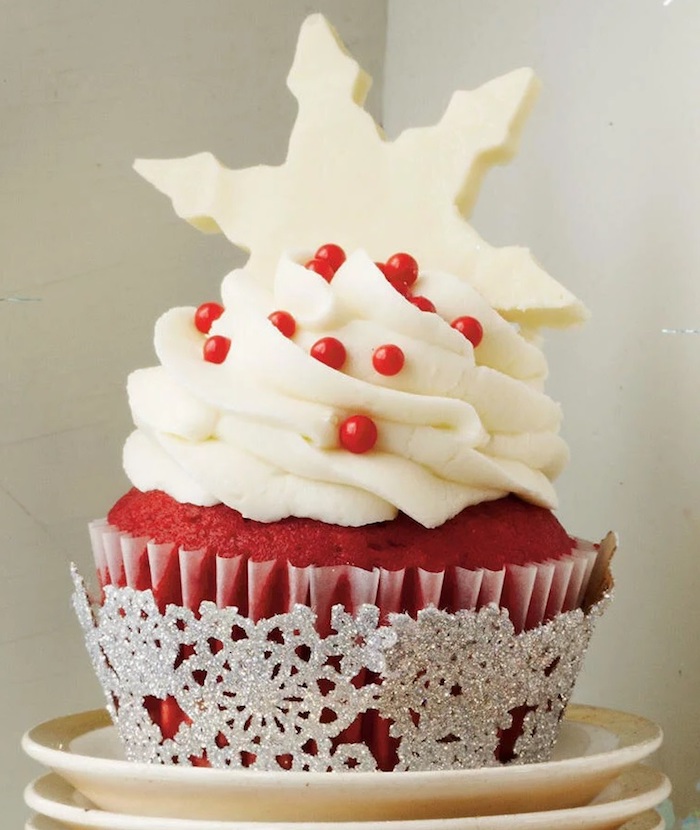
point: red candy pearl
(399, 285)
(402, 266)
(205, 315)
(333, 254)
(284, 321)
(330, 351)
(388, 359)
(423, 303)
(322, 267)
(382, 267)
(216, 348)
(358, 434)
(471, 328)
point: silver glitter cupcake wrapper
(274, 693)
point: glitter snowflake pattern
(231, 692)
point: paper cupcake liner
(532, 594)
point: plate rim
(660, 789)
(78, 724)
(632, 824)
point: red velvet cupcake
(249, 496)
(504, 553)
(339, 550)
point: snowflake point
(319, 44)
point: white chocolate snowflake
(344, 182)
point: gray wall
(84, 88)
(606, 192)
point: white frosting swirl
(259, 432)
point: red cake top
(489, 535)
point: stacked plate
(594, 782)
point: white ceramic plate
(635, 791)
(595, 745)
(647, 821)
(650, 820)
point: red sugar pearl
(358, 434)
(471, 328)
(322, 267)
(403, 266)
(382, 267)
(399, 285)
(388, 359)
(205, 315)
(216, 348)
(423, 303)
(330, 351)
(331, 253)
(284, 321)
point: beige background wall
(606, 192)
(84, 88)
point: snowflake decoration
(344, 181)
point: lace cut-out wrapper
(273, 693)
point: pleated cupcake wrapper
(532, 594)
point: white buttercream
(259, 432)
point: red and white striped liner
(532, 594)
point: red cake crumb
(488, 535)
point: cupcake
(339, 550)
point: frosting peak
(264, 426)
